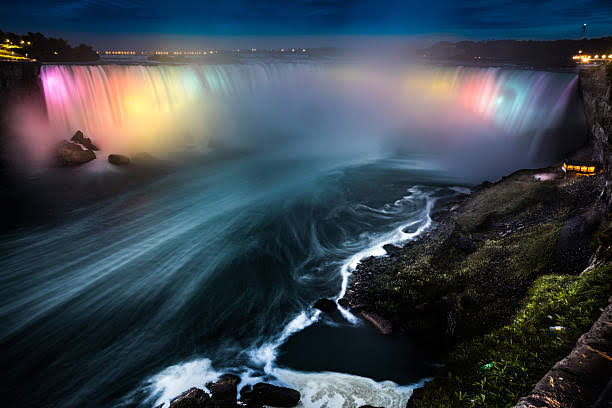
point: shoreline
(453, 317)
(462, 284)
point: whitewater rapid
(318, 389)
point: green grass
(521, 254)
(525, 349)
(483, 287)
(513, 197)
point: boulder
(383, 325)
(344, 302)
(71, 154)
(325, 305)
(118, 159)
(269, 395)
(192, 398)
(85, 141)
(224, 389)
(392, 250)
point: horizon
(303, 23)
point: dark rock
(118, 159)
(344, 302)
(416, 394)
(224, 389)
(325, 305)
(383, 325)
(482, 186)
(85, 141)
(392, 249)
(192, 398)
(270, 395)
(71, 154)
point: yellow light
(293, 50)
(22, 41)
(55, 52)
(282, 50)
(596, 56)
(591, 169)
(29, 43)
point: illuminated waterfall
(158, 109)
(149, 107)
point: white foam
(396, 236)
(265, 355)
(178, 378)
(337, 390)
(325, 389)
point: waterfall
(151, 107)
(311, 105)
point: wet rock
(344, 302)
(71, 154)
(192, 398)
(118, 159)
(392, 249)
(224, 389)
(325, 305)
(269, 395)
(383, 325)
(80, 138)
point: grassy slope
(494, 272)
(503, 238)
(525, 349)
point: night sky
(103, 21)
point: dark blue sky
(149, 20)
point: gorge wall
(18, 80)
(596, 89)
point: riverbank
(506, 264)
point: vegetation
(489, 282)
(48, 49)
(496, 369)
(498, 243)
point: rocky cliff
(596, 89)
(18, 80)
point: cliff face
(596, 88)
(18, 80)
(18, 75)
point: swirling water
(220, 262)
